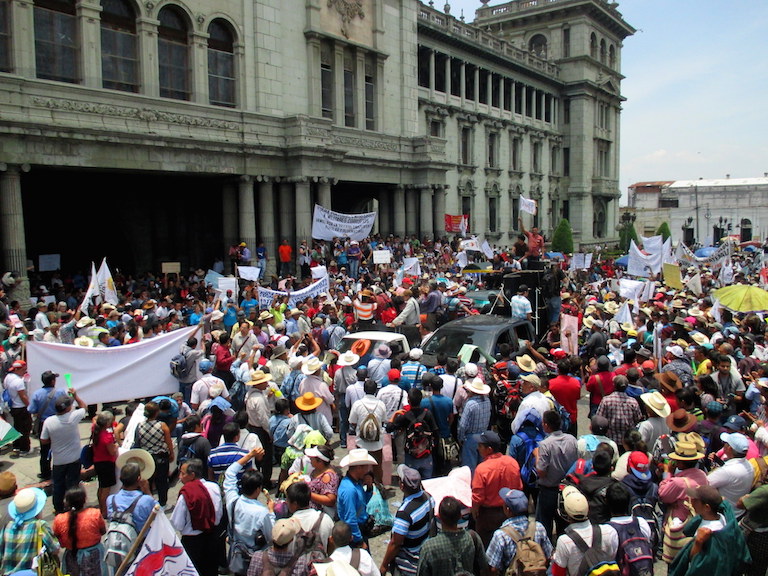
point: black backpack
(418, 437)
(634, 554)
(180, 367)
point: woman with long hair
(154, 436)
(104, 455)
(79, 531)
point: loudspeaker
(533, 280)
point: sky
(696, 87)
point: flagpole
(129, 557)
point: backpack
(643, 507)
(121, 534)
(528, 470)
(370, 427)
(595, 561)
(594, 488)
(565, 416)
(634, 554)
(529, 557)
(187, 451)
(418, 437)
(180, 368)
(507, 397)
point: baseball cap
(393, 375)
(574, 503)
(649, 366)
(676, 351)
(735, 423)
(515, 500)
(738, 442)
(489, 438)
(48, 376)
(639, 465)
(599, 424)
(285, 530)
(714, 407)
(17, 364)
(410, 477)
(63, 402)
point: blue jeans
(469, 454)
(65, 476)
(343, 421)
(423, 465)
(554, 304)
(354, 266)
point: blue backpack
(528, 472)
(565, 416)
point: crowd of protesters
(286, 445)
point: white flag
(250, 273)
(527, 205)
(107, 284)
(93, 290)
(162, 552)
(463, 225)
(486, 248)
(471, 244)
(694, 284)
(624, 315)
(411, 266)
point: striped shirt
(520, 306)
(364, 311)
(224, 455)
(411, 373)
(412, 522)
(475, 418)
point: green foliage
(562, 239)
(664, 231)
(627, 233)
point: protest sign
(327, 224)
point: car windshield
(450, 340)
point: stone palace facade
(166, 130)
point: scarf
(200, 506)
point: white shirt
(358, 413)
(733, 479)
(15, 384)
(201, 389)
(181, 519)
(393, 397)
(568, 555)
(307, 519)
(367, 566)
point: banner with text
(327, 224)
(457, 223)
(267, 296)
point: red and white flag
(162, 554)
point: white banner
(111, 374)
(319, 272)
(527, 205)
(92, 292)
(638, 263)
(486, 248)
(327, 224)
(631, 289)
(471, 244)
(411, 266)
(267, 296)
(250, 273)
(161, 553)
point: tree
(664, 231)
(627, 233)
(562, 239)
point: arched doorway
(746, 229)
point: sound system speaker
(533, 280)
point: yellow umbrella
(743, 298)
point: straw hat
(531, 379)
(611, 307)
(83, 341)
(657, 403)
(27, 504)
(7, 484)
(357, 457)
(257, 377)
(686, 451)
(265, 315)
(349, 358)
(700, 338)
(311, 366)
(627, 326)
(477, 386)
(589, 310)
(526, 363)
(140, 457)
(308, 401)
(84, 321)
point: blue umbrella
(705, 252)
(552, 255)
(623, 261)
(750, 249)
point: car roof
(481, 322)
(374, 335)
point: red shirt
(100, 451)
(491, 475)
(535, 243)
(567, 391)
(606, 379)
(285, 252)
(624, 368)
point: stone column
(385, 225)
(501, 95)
(199, 66)
(448, 76)
(411, 210)
(14, 247)
(229, 205)
(438, 202)
(463, 80)
(89, 21)
(287, 209)
(267, 222)
(324, 196)
(247, 216)
(149, 68)
(489, 90)
(432, 73)
(23, 44)
(477, 87)
(398, 201)
(303, 211)
(426, 214)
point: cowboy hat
(611, 307)
(670, 381)
(477, 386)
(700, 338)
(279, 350)
(657, 403)
(83, 341)
(257, 377)
(140, 457)
(383, 351)
(589, 310)
(349, 358)
(681, 420)
(7, 484)
(27, 504)
(686, 451)
(357, 457)
(265, 315)
(216, 315)
(308, 401)
(627, 326)
(531, 379)
(696, 312)
(84, 321)
(311, 366)
(526, 363)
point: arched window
(602, 51)
(173, 54)
(5, 36)
(119, 58)
(538, 46)
(612, 56)
(221, 64)
(56, 40)
(593, 45)
(746, 229)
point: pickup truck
(365, 343)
